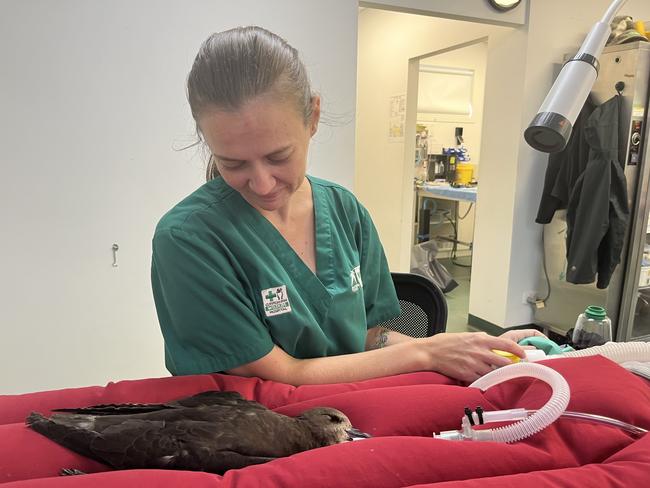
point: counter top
(448, 191)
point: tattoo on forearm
(381, 339)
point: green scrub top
(228, 286)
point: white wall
(93, 107)
(494, 231)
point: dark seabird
(212, 431)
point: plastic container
(639, 25)
(593, 328)
(532, 355)
(464, 173)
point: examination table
(400, 412)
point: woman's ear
(315, 113)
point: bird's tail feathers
(74, 438)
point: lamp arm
(551, 128)
(611, 11)
(597, 37)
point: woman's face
(261, 149)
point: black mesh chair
(424, 308)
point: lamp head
(548, 132)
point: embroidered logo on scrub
(275, 300)
(355, 279)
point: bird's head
(331, 425)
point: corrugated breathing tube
(530, 424)
(536, 422)
(618, 352)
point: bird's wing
(206, 398)
(211, 398)
(186, 444)
(134, 443)
(217, 446)
(116, 408)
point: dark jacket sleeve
(564, 168)
(609, 252)
(587, 222)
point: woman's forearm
(278, 366)
(378, 337)
(463, 355)
(400, 358)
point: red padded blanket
(401, 412)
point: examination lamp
(551, 128)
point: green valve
(594, 312)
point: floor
(458, 298)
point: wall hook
(115, 249)
(619, 87)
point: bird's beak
(356, 434)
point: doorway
(392, 46)
(450, 90)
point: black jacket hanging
(597, 207)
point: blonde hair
(235, 66)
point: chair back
(424, 308)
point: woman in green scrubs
(265, 271)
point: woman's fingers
(508, 345)
(519, 334)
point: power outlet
(528, 297)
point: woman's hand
(468, 355)
(519, 334)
